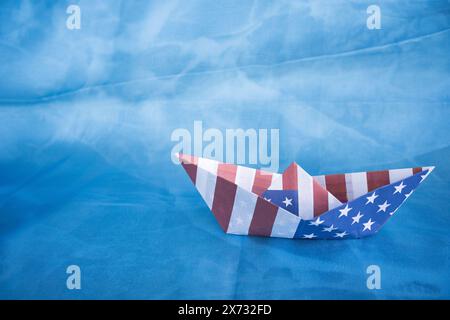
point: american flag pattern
(296, 186)
(247, 201)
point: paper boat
(294, 204)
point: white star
(399, 188)
(341, 235)
(383, 207)
(287, 202)
(317, 222)
(267, 199)
(372, 198)
(309, 236)
(408, 194)
(344, 212)
(330, 229)
(357, 217)
(368, 225)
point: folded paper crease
(294, 204)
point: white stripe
(245, 177)
(208, 165)
(358, 184)
(277, 182)
(396, 175)
(333, 202)
(285, 224)
(321, 180)
(305, 194)
(348, 186)
(205, 180)
(242, 214)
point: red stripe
(263, 218)
(189, 164)
(320, 199)
(417, 170)
(336, 185)
(223, 201)
(262, 182)
(290, 178)
(376, 179)
(191, 170)
(227, 171)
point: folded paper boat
(294, 204)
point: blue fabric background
(85, 123)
